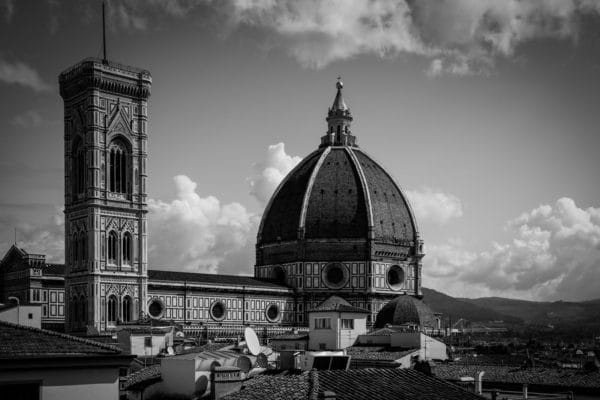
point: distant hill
(539, 312)
(455, 308)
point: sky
(485, 112)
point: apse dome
(337, 204)
(406, 310)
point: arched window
(127, 311)
(78, 176)
(118, 168)
(126, 248)
(75, 248)
(112, 247)
(74, 311)
(111, 309)
(81, 244)
(82, 310)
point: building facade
(337, 224)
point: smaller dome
(405, 310)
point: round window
(217, 311)
(272, 312)
(335, 275)
(395, 277)
(156, 308)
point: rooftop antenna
(104, 60)
(15, 236)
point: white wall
(70, 383)
(21, 315)
(335, 338)
(136, 343)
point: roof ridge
(63, 336)
(313, 384)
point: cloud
(458, 37)
(43, 235)
(22, 74)
(29, 119)
(434, 206)
(554, 254)
(200, 234)
(269, 173)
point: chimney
(479, 383)
(225, 380)
(327, 395)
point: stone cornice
(109, 77)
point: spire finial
(104, 59)
(339, 84)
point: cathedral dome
(405, 310)
(338, 201)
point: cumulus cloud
(199, 233)
(434, 206)
(269, 173)
(34, 234)
(554, 254)
(21, 74)
(457, 36)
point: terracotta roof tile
(336, 303)
(18, 341)
(356, 384)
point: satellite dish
(252, 341)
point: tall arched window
(112, 247)
(126, 248)
(127, 309)
(111, 311)
(118, 167)
(75, 247)
(84, 249)
(83, 310)
(74, 311)
(78, 176)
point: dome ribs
(392, 218)
(280, 221)
(336, 207)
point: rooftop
(211, 279)
(337, 304)
(376, 384)
(18, 342)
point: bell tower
(105, 139)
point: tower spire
(104, 59)
(338, 120)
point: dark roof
(338, 193)
(569, 378)
(18, 342)
(291, 336)
(143, 377)
(211, 279)
(336, 303)
(354, 384)
(382, 353)
(405, 310)
(54, 269)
